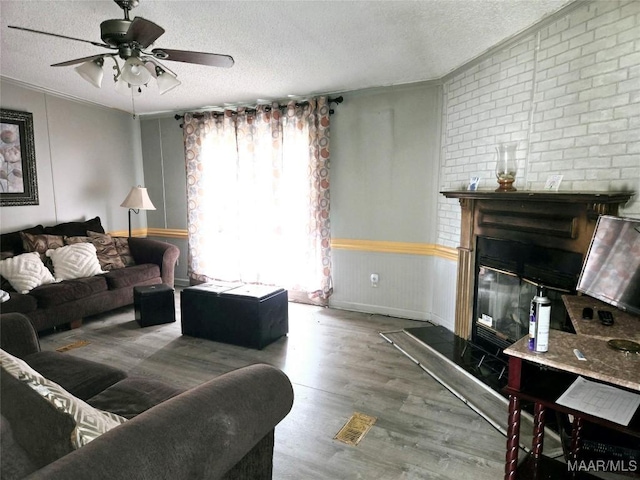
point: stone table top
(603, 362)
(625, 325)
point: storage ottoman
(197, 305)
(154, 305)
(250, 315)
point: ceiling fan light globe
(134, 72)
(91, 72)
(167, 82)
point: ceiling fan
(129, 40)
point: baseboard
(381, 310)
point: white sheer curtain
(258, 197)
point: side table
(154, 305)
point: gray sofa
(222, 429)
(68, 302)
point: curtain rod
(337, 100)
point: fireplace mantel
(564, 220)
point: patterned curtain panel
(258, 197)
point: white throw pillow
(74, 261)
(25, 272)
(90, 422)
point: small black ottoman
(154, 305)
(251, 315)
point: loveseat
(128, 262)
(222, 429)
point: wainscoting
(416, 281)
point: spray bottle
(539, 321)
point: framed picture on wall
(18, 179)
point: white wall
(87, 160)
(384, 171)
(568, 92)
(384, 164)
(165, 176)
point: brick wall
(568, 94)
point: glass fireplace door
(502, 307)
(503, 300)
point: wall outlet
(374, 279)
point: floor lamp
(138, 199)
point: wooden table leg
(538, 430)
(513, 436)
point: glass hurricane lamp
(506, 166)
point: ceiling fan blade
(186, 56)
(97, 44)
(77, 60)
(143, 31)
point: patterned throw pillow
(40, 244)
(90, 422)
(122, 246)
(25, 272)
(75, 261)
(105, 249)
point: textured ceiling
(281, 48)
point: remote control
(579, 355)
(606, 317)
(587, 313)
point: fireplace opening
(506, 278)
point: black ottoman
(154, 305)
(197, 305)
(251, 315)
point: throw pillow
(105, 249)
(75, 261)
(40, 244)
(12, 241)
(74, 229)
(122, 246)
(90, 422)
(25, 272)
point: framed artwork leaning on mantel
(18, 179)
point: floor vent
(71, 346)
(355, 429)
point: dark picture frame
(18, 179)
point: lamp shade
(92, 72)
(134, 72)
(166, 82)
(138, 199)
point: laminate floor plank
(338, 365)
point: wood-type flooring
(338, 364)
